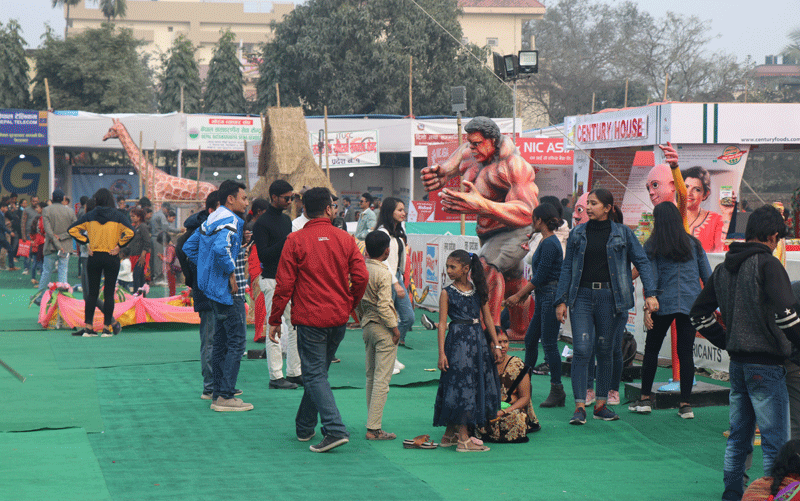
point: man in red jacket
(323, 273)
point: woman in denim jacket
(596, 285)
(679, 264)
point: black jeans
(101, 263)
(655, 336)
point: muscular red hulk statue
(499, 187)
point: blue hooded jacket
(220, 238)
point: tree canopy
(180, 70)
(587, 47)
(68, 3)
(113, 9)
(224, 83)
(14, 77)
(97, 70)
(353, 57)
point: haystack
(285, 153)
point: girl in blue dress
(469, 387)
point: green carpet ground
(121, 419)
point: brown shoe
(380, 435)
(230, 405)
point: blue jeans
(35, 264)
(545, 326)
(405, 311)
(47, 269)
(207, 329)
(758, 394)
(317, 348)
(229, 344)
(595, 324)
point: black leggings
(101, 263)
(655, 336)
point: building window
(492, 42)
(169, 28)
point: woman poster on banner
(707, 226)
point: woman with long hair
(707, 226)
(679, 265)
(140, 247)
(595, 284)
(393, 213)
(106, 231)
(546, 265)
(783, 482)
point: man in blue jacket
(220, 237)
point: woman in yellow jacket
(106, 230)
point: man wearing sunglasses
(269, 234)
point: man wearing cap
(56, 219)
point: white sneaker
(24, 272)
(399, 365)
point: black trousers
(101, 264)
(655, 337)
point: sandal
(420, 442)
(471, 445)
(448, 440)
(380, 435)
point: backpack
(628, 349)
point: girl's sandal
(448, 440)
(470, 445)
(420, 442)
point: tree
(68, 3)
(224, 83)
(14, 77)
(587, 47)
(353, 57)
(793, 49)
(97, 70)
(113, 9)
(180, 70)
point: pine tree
(224, 84)
(14, 77)
(180, 70)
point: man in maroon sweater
(322, 272)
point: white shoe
(395, 371)
(24, 272)
(398, 365)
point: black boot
(556, 398)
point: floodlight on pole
(511, 66)
(528, 62)
(458, 99)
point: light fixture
(22, 155)
(238, 176)
(216, 173)
(528, 61)
(130, 173)
(351, 174)
(100, 174)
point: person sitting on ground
(517, 418)
(381, 335)
(783, 484)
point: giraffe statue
(160, 185)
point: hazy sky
(744, 27)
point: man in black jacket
(759, 310)
(269, 234)
(202, 305)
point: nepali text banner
(348, 149)
(221, 133)
(23, 128)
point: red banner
(436, 155)
(540, 151)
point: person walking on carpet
(322, 272)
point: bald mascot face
(660, 185)
(579, 215)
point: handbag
(24, 248)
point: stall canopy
(80, 129)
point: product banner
(717, 168)
(435, 132)
(348, 149)
(437, 154)
(24, 171)
(221, 133)
(251, 151)
(428, 258)
(23, 128)
(544, 151)
(86, 180)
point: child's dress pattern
(469, 391)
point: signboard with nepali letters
(221, 133)
(551, 162)
(348, 149)
(23, 128)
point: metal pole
(327, 162)
(458, 132)
(514, 134)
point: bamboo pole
(199, 156)
(463, 217)
(153, 175)
(278, 94)
(181, 98)
(593, 96)
(47, 94)
(140, 167)
(666, 85)
(327, 162)
(410, 88)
